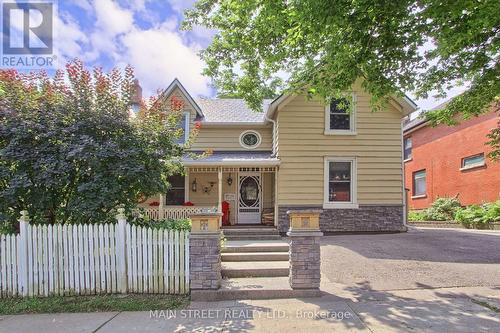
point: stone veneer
(305, 259)
(205, 260)
(367, 218)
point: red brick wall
(440, 150)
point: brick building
(448, 161)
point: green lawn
(91, 303)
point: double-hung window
(407, 148)
(184, 125)
(340, 116)
(176, 194)
(340, 183)
(419, 183)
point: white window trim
(353, 204)
(414, 186)
(352, 119)
(187, 120)
(472, 166)
(259, 137)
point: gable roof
(231, 110)
(421, 120)
(177, 84)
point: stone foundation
(367, 218)
(205, 261)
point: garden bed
(451, 224)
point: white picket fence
(93, 259)
(181, 212)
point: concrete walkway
(423, 310)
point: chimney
(136, 96)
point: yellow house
(296, 153)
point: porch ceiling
(233, 158)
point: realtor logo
(27, 34)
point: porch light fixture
(194, 185)
(229, 180)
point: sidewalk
(342, 309)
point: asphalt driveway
(418, 259)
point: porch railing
(181, 212)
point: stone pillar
(204, 252)
(305, 258)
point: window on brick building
(473, 161)
(407, 148)
(419, 183)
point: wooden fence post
(23, 252)
(121, 250)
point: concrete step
(239, 246)
(251, 233)
(252, 237)
(245, 269)
(255, 256)
(252, 288)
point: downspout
(276, 208)
(405, 201)
(274, 133)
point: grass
(55, 304)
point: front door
(249, 198)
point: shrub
(492, 213)
(471, 216)
(443, 209)
(479, 216)
(416, 215)
(168, 224)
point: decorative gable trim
(177, 84)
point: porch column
(276, 215)
(219, 178)
(161, 207)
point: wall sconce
(229, 180)
(194, 185)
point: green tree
(71, 152)
(327, 45)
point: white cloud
(180, 5)
(160, 55)
(69, 39)
(111, 18)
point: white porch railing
(181, 212)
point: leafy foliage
(407, 45)
(443, 209)
(478, 216)
(70, 150)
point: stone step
(239, 246)
(255, 256)
(253, 288)
(246, 269)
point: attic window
(250, 139)
(340, 116)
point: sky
(145, 34)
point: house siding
(224, 138)
(303, 147)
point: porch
(247, 193)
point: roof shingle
(229, 110)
